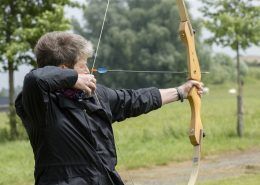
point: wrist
(180, 94)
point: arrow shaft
(140, 71)
(143, 71)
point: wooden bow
(187, 35)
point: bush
(22, 134)
(223, 69)
(5, 129)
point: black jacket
(72, 140)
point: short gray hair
(57, 48)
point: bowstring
(99, 39)
(100, 36)
(95, 58)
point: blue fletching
(101, 70)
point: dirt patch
(212, 168)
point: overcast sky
(19, 75)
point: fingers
(89, 83)
(86, 83)
(93, 80)
(87, 91)
(199, 86)
(186, 87)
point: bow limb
(194, 73)
(187, 35)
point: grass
(17, 162)
(161, 136)
(250, 179)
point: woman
(68, 117)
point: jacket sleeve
(48, 79)
(37, 87)
(51, 78)
(128, 103)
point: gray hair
(57, 48)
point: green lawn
(16, 161)
(249, 179)
(161, 136)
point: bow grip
(195, 124)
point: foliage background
(139, 36)
(142, 36)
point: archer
(68, 117)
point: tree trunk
(240, 121)
(12, 113)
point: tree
(221, 69)
(236, 24)
(138, 35)
(21, 24)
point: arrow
(103, 70)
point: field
(160, 137)
(242, 180)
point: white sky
(19, 75)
